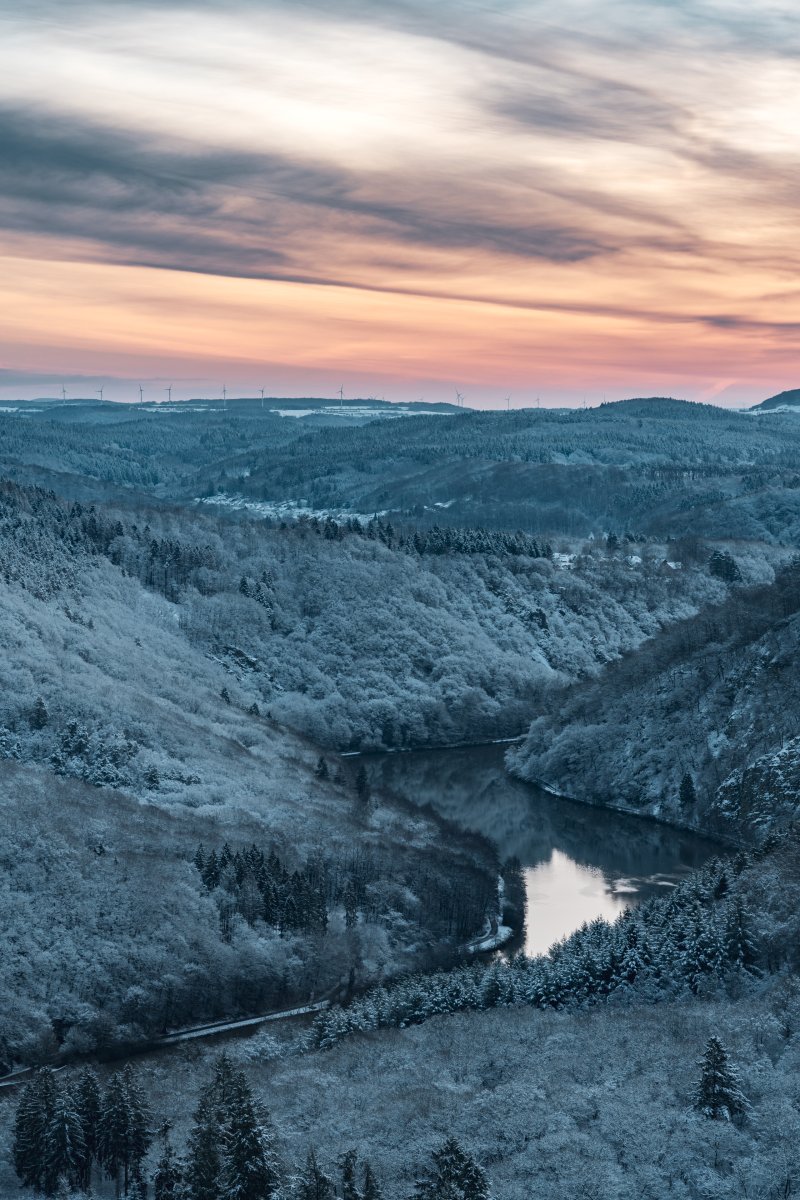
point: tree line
(682, 943)
(68, 1136)
(258, 886)
(63, 1134)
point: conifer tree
(224, 1081)
(362, 786)
(168, 1177)
(687, 794)
(454, 1174)
(350, 899)
(64, 1150)
(313, 1183)
(347, 1166)
(719, 1094)
(112, 1133)
(248, 1165)
(39, 715)
(741, 948)
(138, 1189)
(87, 1102)
(203, 1169)
(371, 1189)
(33, 1117)
(139, 1134)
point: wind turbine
(63, 395)
(141, 393)
(224, 398)
(100, 394)
(262, 398)
(341, 396)
(508, 404)
(459, 399)
(169, 394)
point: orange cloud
(408, 197)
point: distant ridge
(660, 406)
(790, 399)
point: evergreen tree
(371, 1189)
(454, 1175)
(139, 1134)
(741, 948)
(152, 779)
(313, 1183)
(33, 1117)
(724, 566)
(362, 785)
(249, 1168)
(168, 1177)
(705, 953)
(113, 1132)
(203, 1169)
(39, 715)
(224, 1082)
(211, 871)
(138, 1189)
(64, 1150)
(687, 794)
(122, 1128)
(347, 1166)
(719, 1094)
(350, 900)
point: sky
(569, 202)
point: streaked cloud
(576, 199)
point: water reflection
(580, 862)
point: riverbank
(577, 861)
(729, 843)
(507, 741)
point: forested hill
(653, 467)
(363, 636)
(199, 608)
(126, 745)
(789, 399)
(700, 726)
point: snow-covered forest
(207, 615)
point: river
(579, 862)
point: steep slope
(698, 727)
(121, 749)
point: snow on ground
(492, 940)
(286, 510)
(360, 411)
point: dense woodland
(711, 705)
(202, 609)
